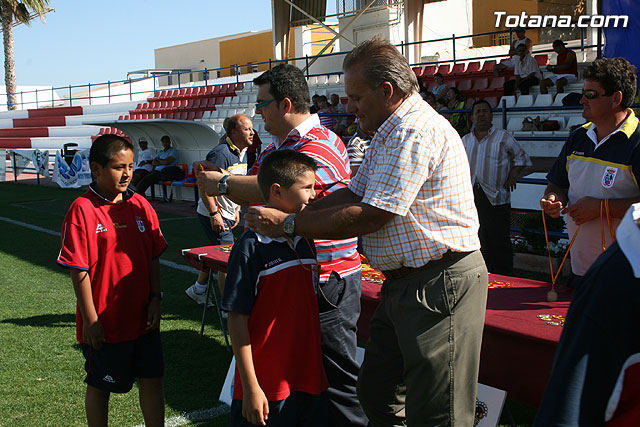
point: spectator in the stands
(526, 71)
(498, 69)
(325, 108)
(458, 120)
(423, 91)
(338, 108)
(440, 89)
(430, 98)
(144, 163)
(314, 104)
(356, 147)
(564, 72)
(336, 104)
(165, 167)
(496, 161)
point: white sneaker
(199, 298)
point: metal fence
(141, 88)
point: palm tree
(20, 11)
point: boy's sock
(200, 289)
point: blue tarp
(623, 42)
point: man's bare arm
(242, 190)
(335, 222)
(341, 222)
(344, 196)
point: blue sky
(95, 41)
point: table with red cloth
(521, 329)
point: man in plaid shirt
(412, 201)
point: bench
(188, 181)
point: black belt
(403, 271)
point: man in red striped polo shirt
(283, 101)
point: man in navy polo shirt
(218, 215)
(594, 179)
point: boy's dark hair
(283, 167)
(287, 81)
(106, 146)
(480, 102)
(614, 74)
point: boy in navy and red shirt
(270, 294)
(111, 241)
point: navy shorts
(115, 367)
(224, 238)
(299, 409)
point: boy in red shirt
(270, 294)
(111, 241)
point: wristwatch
(153, 295)
(289, 225)
(223, 188)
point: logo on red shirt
(140, 224)
(100, 228)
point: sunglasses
(591, 94)
(263, 104)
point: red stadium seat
(458, 69)
(463, 85)
(492, 100)
(428, 71)
(473, 67)
(469, 103)
(488, 65)
(480, 84)
(497, 83)
(444, 69)
(542, 60)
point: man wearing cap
(564, 72)
(143, 166)
(511, 62)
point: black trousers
(147, 181)
(494, 233)
(524, 86)
(339, 306)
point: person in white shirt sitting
(526, 71)
(143, 165)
